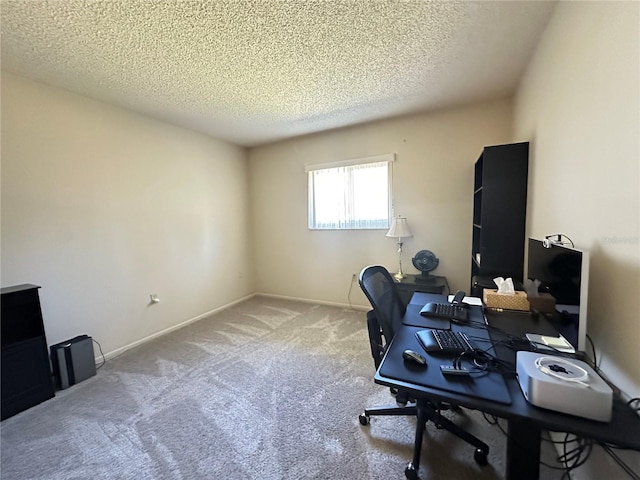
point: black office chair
(382, 322)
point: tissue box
(543, 303)
(508, 301)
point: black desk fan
(425, 261)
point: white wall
(579, 104)
(102, 207)
(432, 182)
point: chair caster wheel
(480, 457)
(411, 473)
(364, 419)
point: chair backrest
(380, 289)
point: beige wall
(580, 106)
(102, 207)
(432, 183)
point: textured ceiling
(252, 72)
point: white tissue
(505, 286)
(531, 287)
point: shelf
(499, 211)
(477, 177)
(477, 207)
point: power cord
(631, 402)
(104, 360)
(595, 365)
(577, 456)
(581, 453)
(609, 449)
(570, 458)
(353, 280)
(494, 421)
(596, 368)
(483, 361)
(549, 241)
(575, 450)
(447, 284)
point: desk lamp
(399, 229)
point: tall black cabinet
(25, 372)
(499, 214)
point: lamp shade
(399, 228)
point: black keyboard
(444, 341)
(445, 310)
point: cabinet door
(25, 376)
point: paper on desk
(545, 343)
(556, 342)
(468, 300)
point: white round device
(562, 369)
(566, 385)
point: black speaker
(73, 361)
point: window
(353, 194)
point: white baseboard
(358, 308)
(121, 350)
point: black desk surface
(623, 430)
(483, 385)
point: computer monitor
(564, 273)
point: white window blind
(352, 194)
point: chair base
(425, 411)
(391, 410)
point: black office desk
(525, 421)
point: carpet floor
(266, 389)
